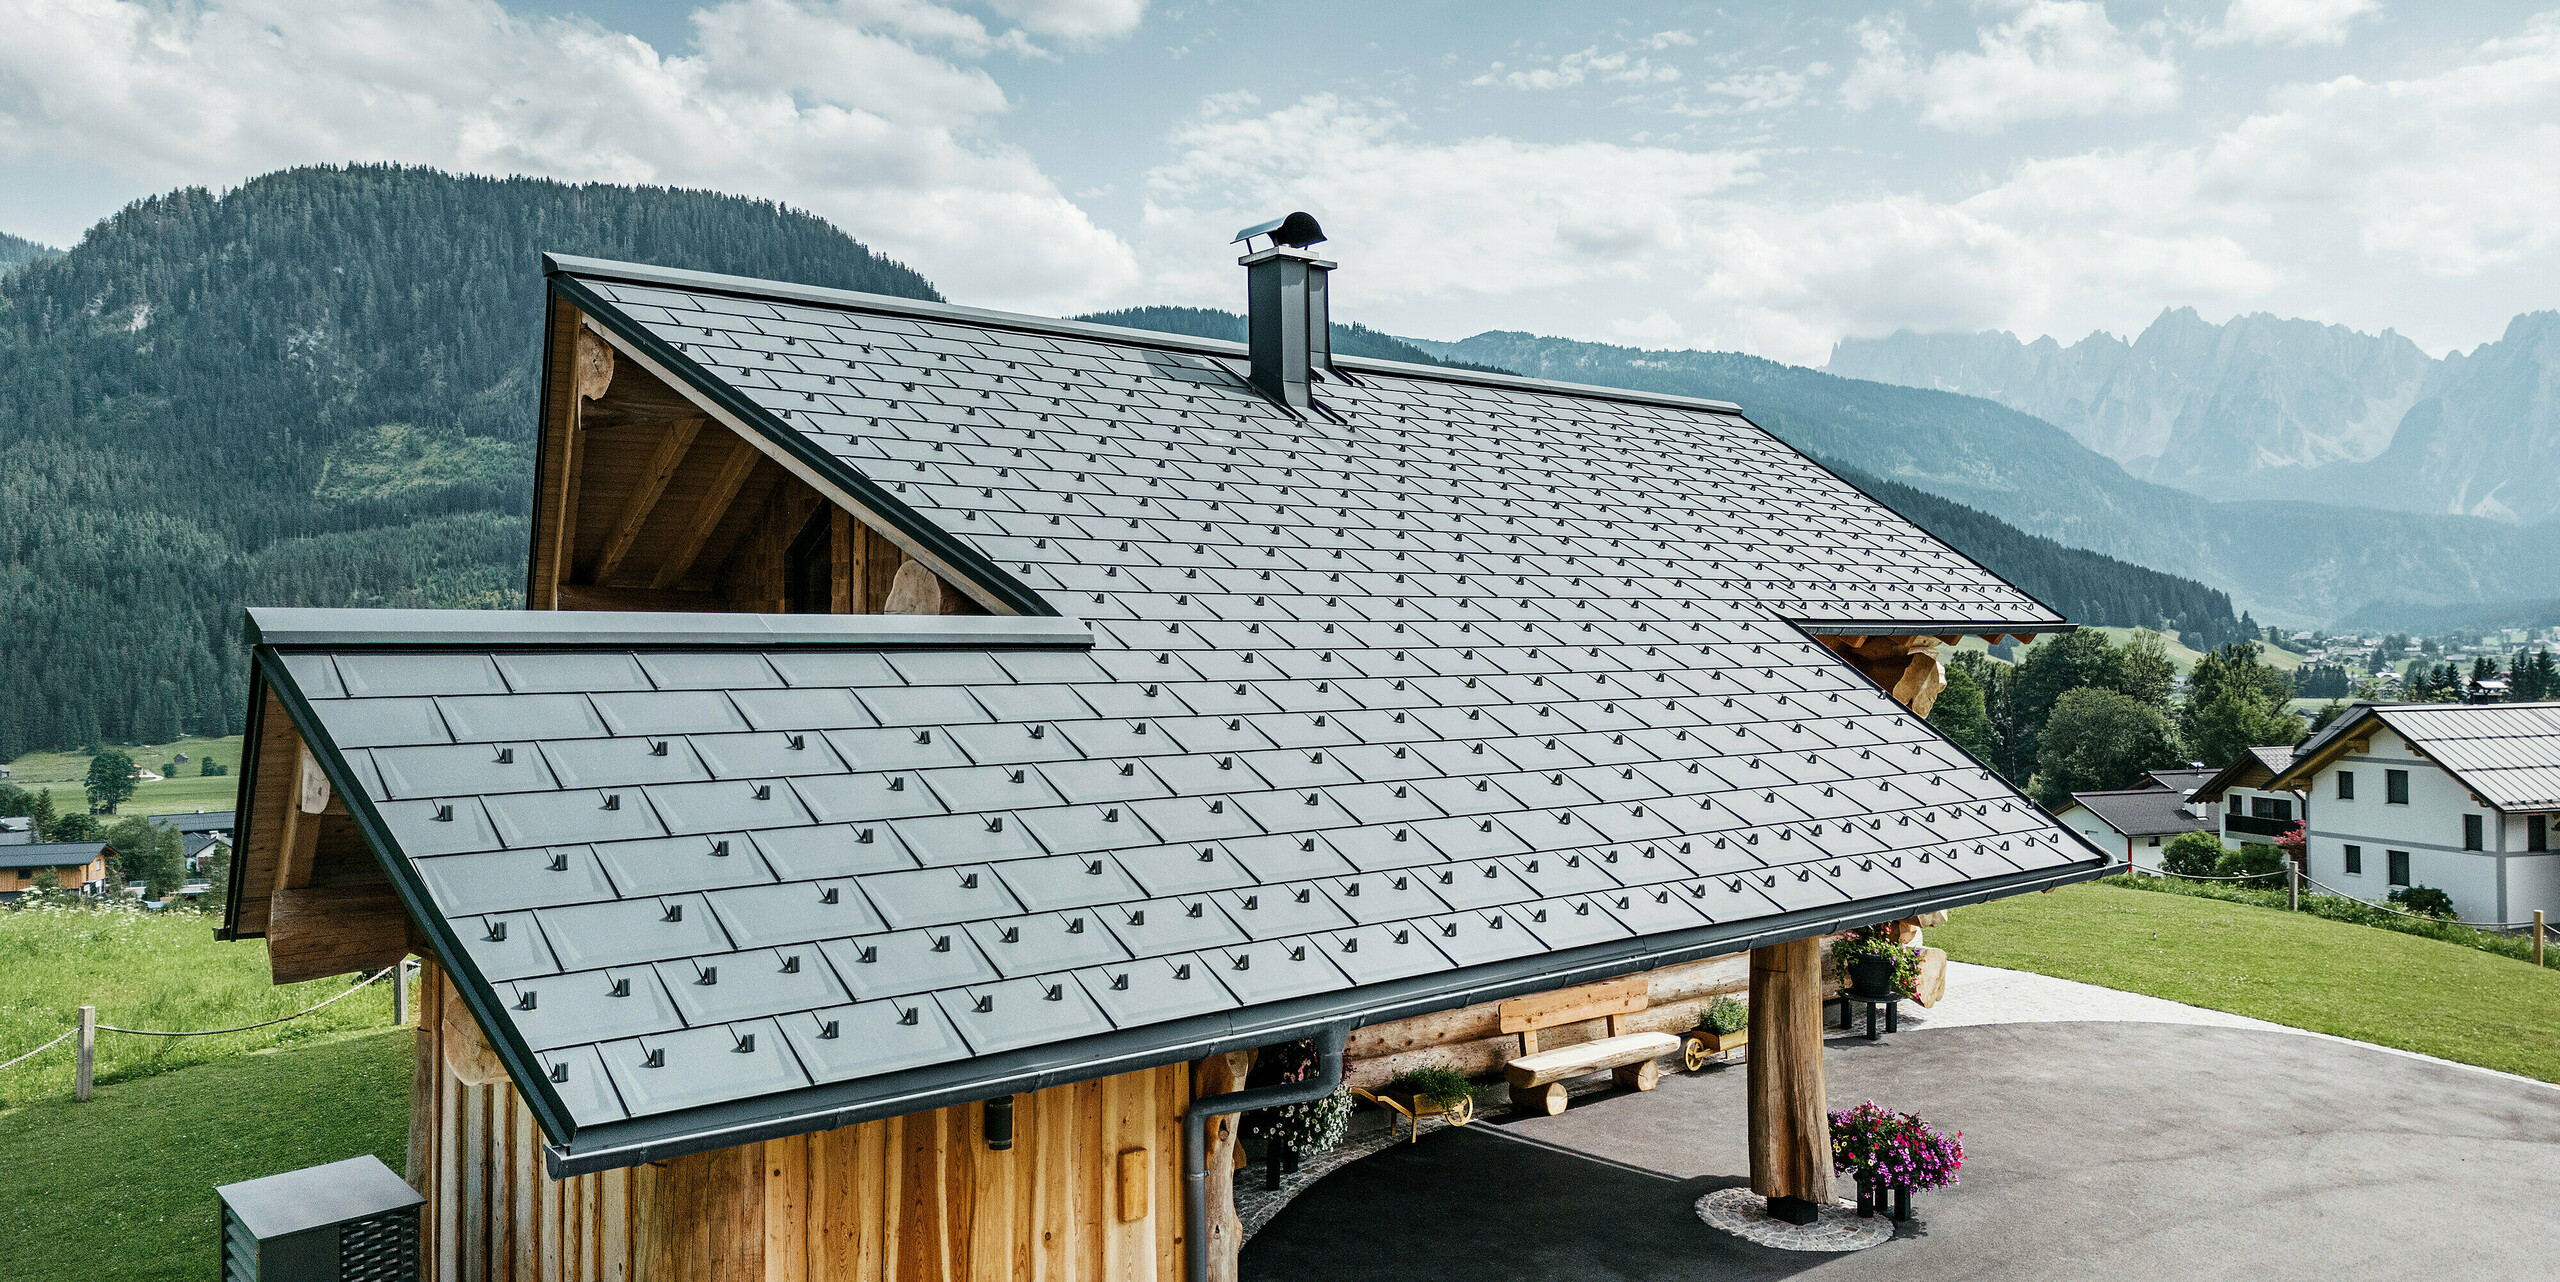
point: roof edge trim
(414, 629)
(944, 551)
(816, 1108)
(748, 286)
(1834, 628)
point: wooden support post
(400, 993)
(85, 1078)
(1218, 1075)
(2537, 936)
(2292, 886)
(1790, 1131)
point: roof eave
(809, 1109)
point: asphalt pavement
(2093, 1151)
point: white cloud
(1619, 67)
(1424, 220)
(2288, 22)
(2348, 192)
(2054, 58)
(1078, 20)
(869, 112)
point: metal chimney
(1290, 325)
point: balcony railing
(2257, 827)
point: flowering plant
(1895, 1150)
(1878, 941)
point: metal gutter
(1195, 1139)
(629, 1143)
(506, 629)
(905, 525)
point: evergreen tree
(1961, 715)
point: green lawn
(120, 1189)
(61, 773)
(148, 970)
(2309, 972)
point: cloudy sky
(1758, 177)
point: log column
(1790, 1126)
(1907, 667)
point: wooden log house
(941, 745)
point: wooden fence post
(86, 1076)
(400, 993)
(2292, 886)
(2537, 936)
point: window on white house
(2155, 841)
(2399, 867)
(2346, 785)
(2235, 806)
(2395, 787)
(2537, 832)
(2355, 861)
(2471, 832)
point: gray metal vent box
(350, 1221)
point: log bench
(1537, 1077)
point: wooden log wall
(1469, 1039)
(1091, 1189)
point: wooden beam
(316, 932)
(841, 589)
(1625, 996)
(706, 513)
(299, 845)
(467, 1054)
(672, 447)
(1790, 1131)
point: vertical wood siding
(908, 1199)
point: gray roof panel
(1587, 603)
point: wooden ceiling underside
(666, 497)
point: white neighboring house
(2255, 807)
(2460, 797)
(2135, 822)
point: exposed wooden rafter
(673, 444)
(706, 513)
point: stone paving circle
(1745, 1214)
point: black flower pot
(1871, 976)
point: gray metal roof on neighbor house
(200, 821)
(2507, 753)
(2182, 781)
(2142, 812)
(65, 854)
(1461, 687)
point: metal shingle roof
(1451, 673)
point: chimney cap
(1297, 231)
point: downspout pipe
(1195, 1138)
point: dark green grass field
(2354, 981)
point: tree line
(2081, 713)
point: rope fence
(89, 1027)
(358, 987)
(2298, 882)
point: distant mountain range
(2265, 407)
(2291, 562)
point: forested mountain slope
(2290, 562)
(317, 389)
(16, 251)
